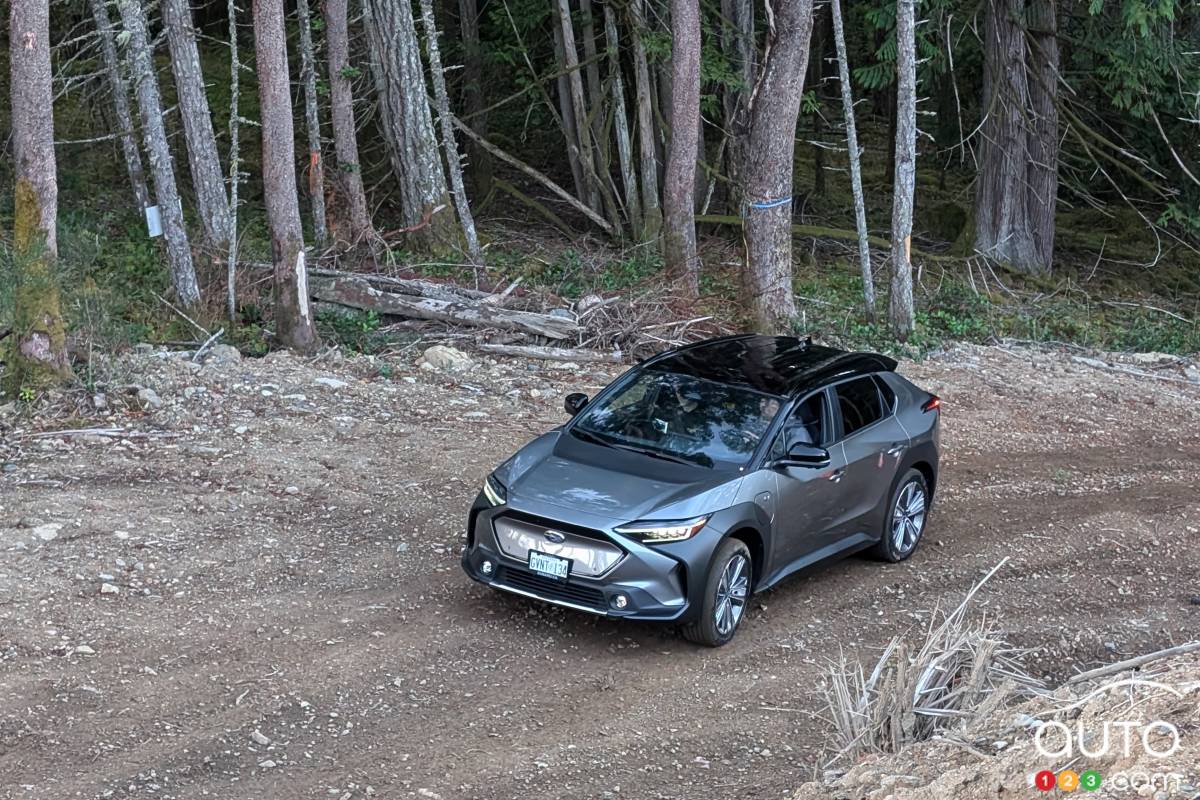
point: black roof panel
(780, 365)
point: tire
(905, 520)
(708, 630)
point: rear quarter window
(860, 404)
(887, 393)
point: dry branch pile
(522, 324)
(961, 670)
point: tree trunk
(154, 139)
(583, 131)
(860, 209)
(235, 161)
(570, 131)
(1018, 175)
(426, 209)
(633, 205)
(120, 103)
(679, 208)
(293, 318)
(595, 95)
(38, 355)
(651, 211)
(900, 301)
(345, 137)
(312, 120)
(449, 144)
(737, 37)
(207, 180)
(480, 160)
(769, 156)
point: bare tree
(119, 93)
(633, 205)
(775, 107)
(860, 209)
(154, 139)
(583, 131)
(427, 213)
(1018, 174)
(449, 144)
(39, 353)
(900, 300)
(212, 205)
(345, 138)
(312, 120)
(679, 223)
(235, 163)
(479, 159)
(737, 41)
(294, 327)
(651, 210)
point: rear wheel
(726, 592)
(905, 521)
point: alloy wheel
(908, 517)
(732, 591)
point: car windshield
(681, 418)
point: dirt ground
(253, 591)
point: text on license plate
(548, 565)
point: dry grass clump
(960, 670)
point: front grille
(552, 589)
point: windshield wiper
(655, 454)
(588, 436)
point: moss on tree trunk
(38, 351)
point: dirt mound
(1003, 755)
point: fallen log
(359, 293)
(418, 287)
(552, 353)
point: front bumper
(654, 581)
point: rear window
(859, 403)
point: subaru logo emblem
(554, 536)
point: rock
(268, 764)
(149, 398)
(84, 650)
(48, 532)
(9, 467)
(108, 588)
(1151, 358)
(588, 301)
(260, 738)
(1192, 374)
(223, 354)
(192, 391)
(292, 490)
(332, 383)
(100, 401)
(240, 430)
(447, 359)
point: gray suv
(706, 474)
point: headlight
(663, 530)
(494, 491)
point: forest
(892, 173)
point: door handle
(895, 450)
(836, 475)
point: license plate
(549, 566)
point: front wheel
(726, 593)
(905, 521)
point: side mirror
(805, 455)
(574, 402)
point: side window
(806, 425)
(889, 394)
(859, 403)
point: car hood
(607, 486)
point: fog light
(620, 601)
(487, 567)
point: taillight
(932, 404)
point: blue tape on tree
(772, 203)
